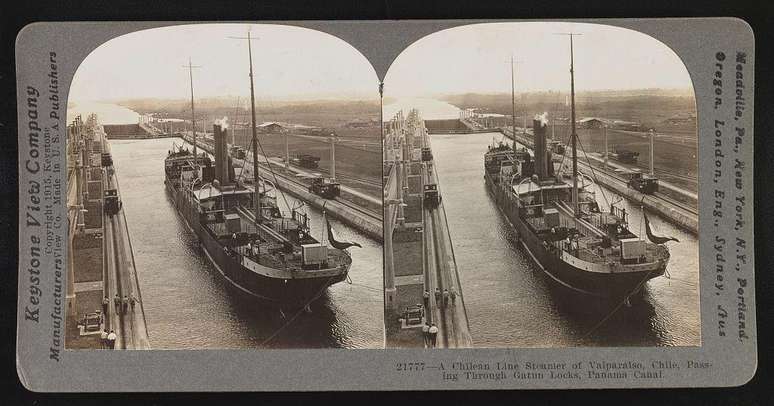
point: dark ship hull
(275, 286)
(602, 284)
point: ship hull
(604, 286)
(281, 291)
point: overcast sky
(289, 62)
(475, 58)
(293, 63)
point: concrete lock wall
(333, 208)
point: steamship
(561, 225)
(269, 256)
(242, 231)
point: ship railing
(620, 213)
(262, 232)
(588, 255)
(538, 223)
(531, 210)
(254, 249)
(301, 218)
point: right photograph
(540, 190)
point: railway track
(366, 212)
(450, 336)
(365, 181)
(666, 174)
(680, 206)
(438, 275)
(435, 281)
(120, 288)
(118, 281)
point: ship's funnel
(222, 172)
(543, 165)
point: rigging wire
(593, 174)
(271, 170)
(566, 143)
(244, 162)
(256, 180)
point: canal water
(510, 302)
(188, 305)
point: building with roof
(681, 119)
(598, 122)
(593, 122)
(278, 127)
(362, 123)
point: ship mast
(513, 104)
(193, 114)
(573, 134)
(256, 183)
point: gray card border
(734, 361)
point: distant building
(592, 122)
(277, 127)
(681, 119)
(627, 125)
(362, 123)
(597, 122)
(271, 127)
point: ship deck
(271, 248)
(589, 247)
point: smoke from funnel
(222, 123)
(543, 118)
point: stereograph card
(386, 205)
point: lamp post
(604, 135)
(333, 156)
(652, 137)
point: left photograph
(224, 192)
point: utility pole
(333, 156)
(604, 135)
(287, 150)
(652, 137)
